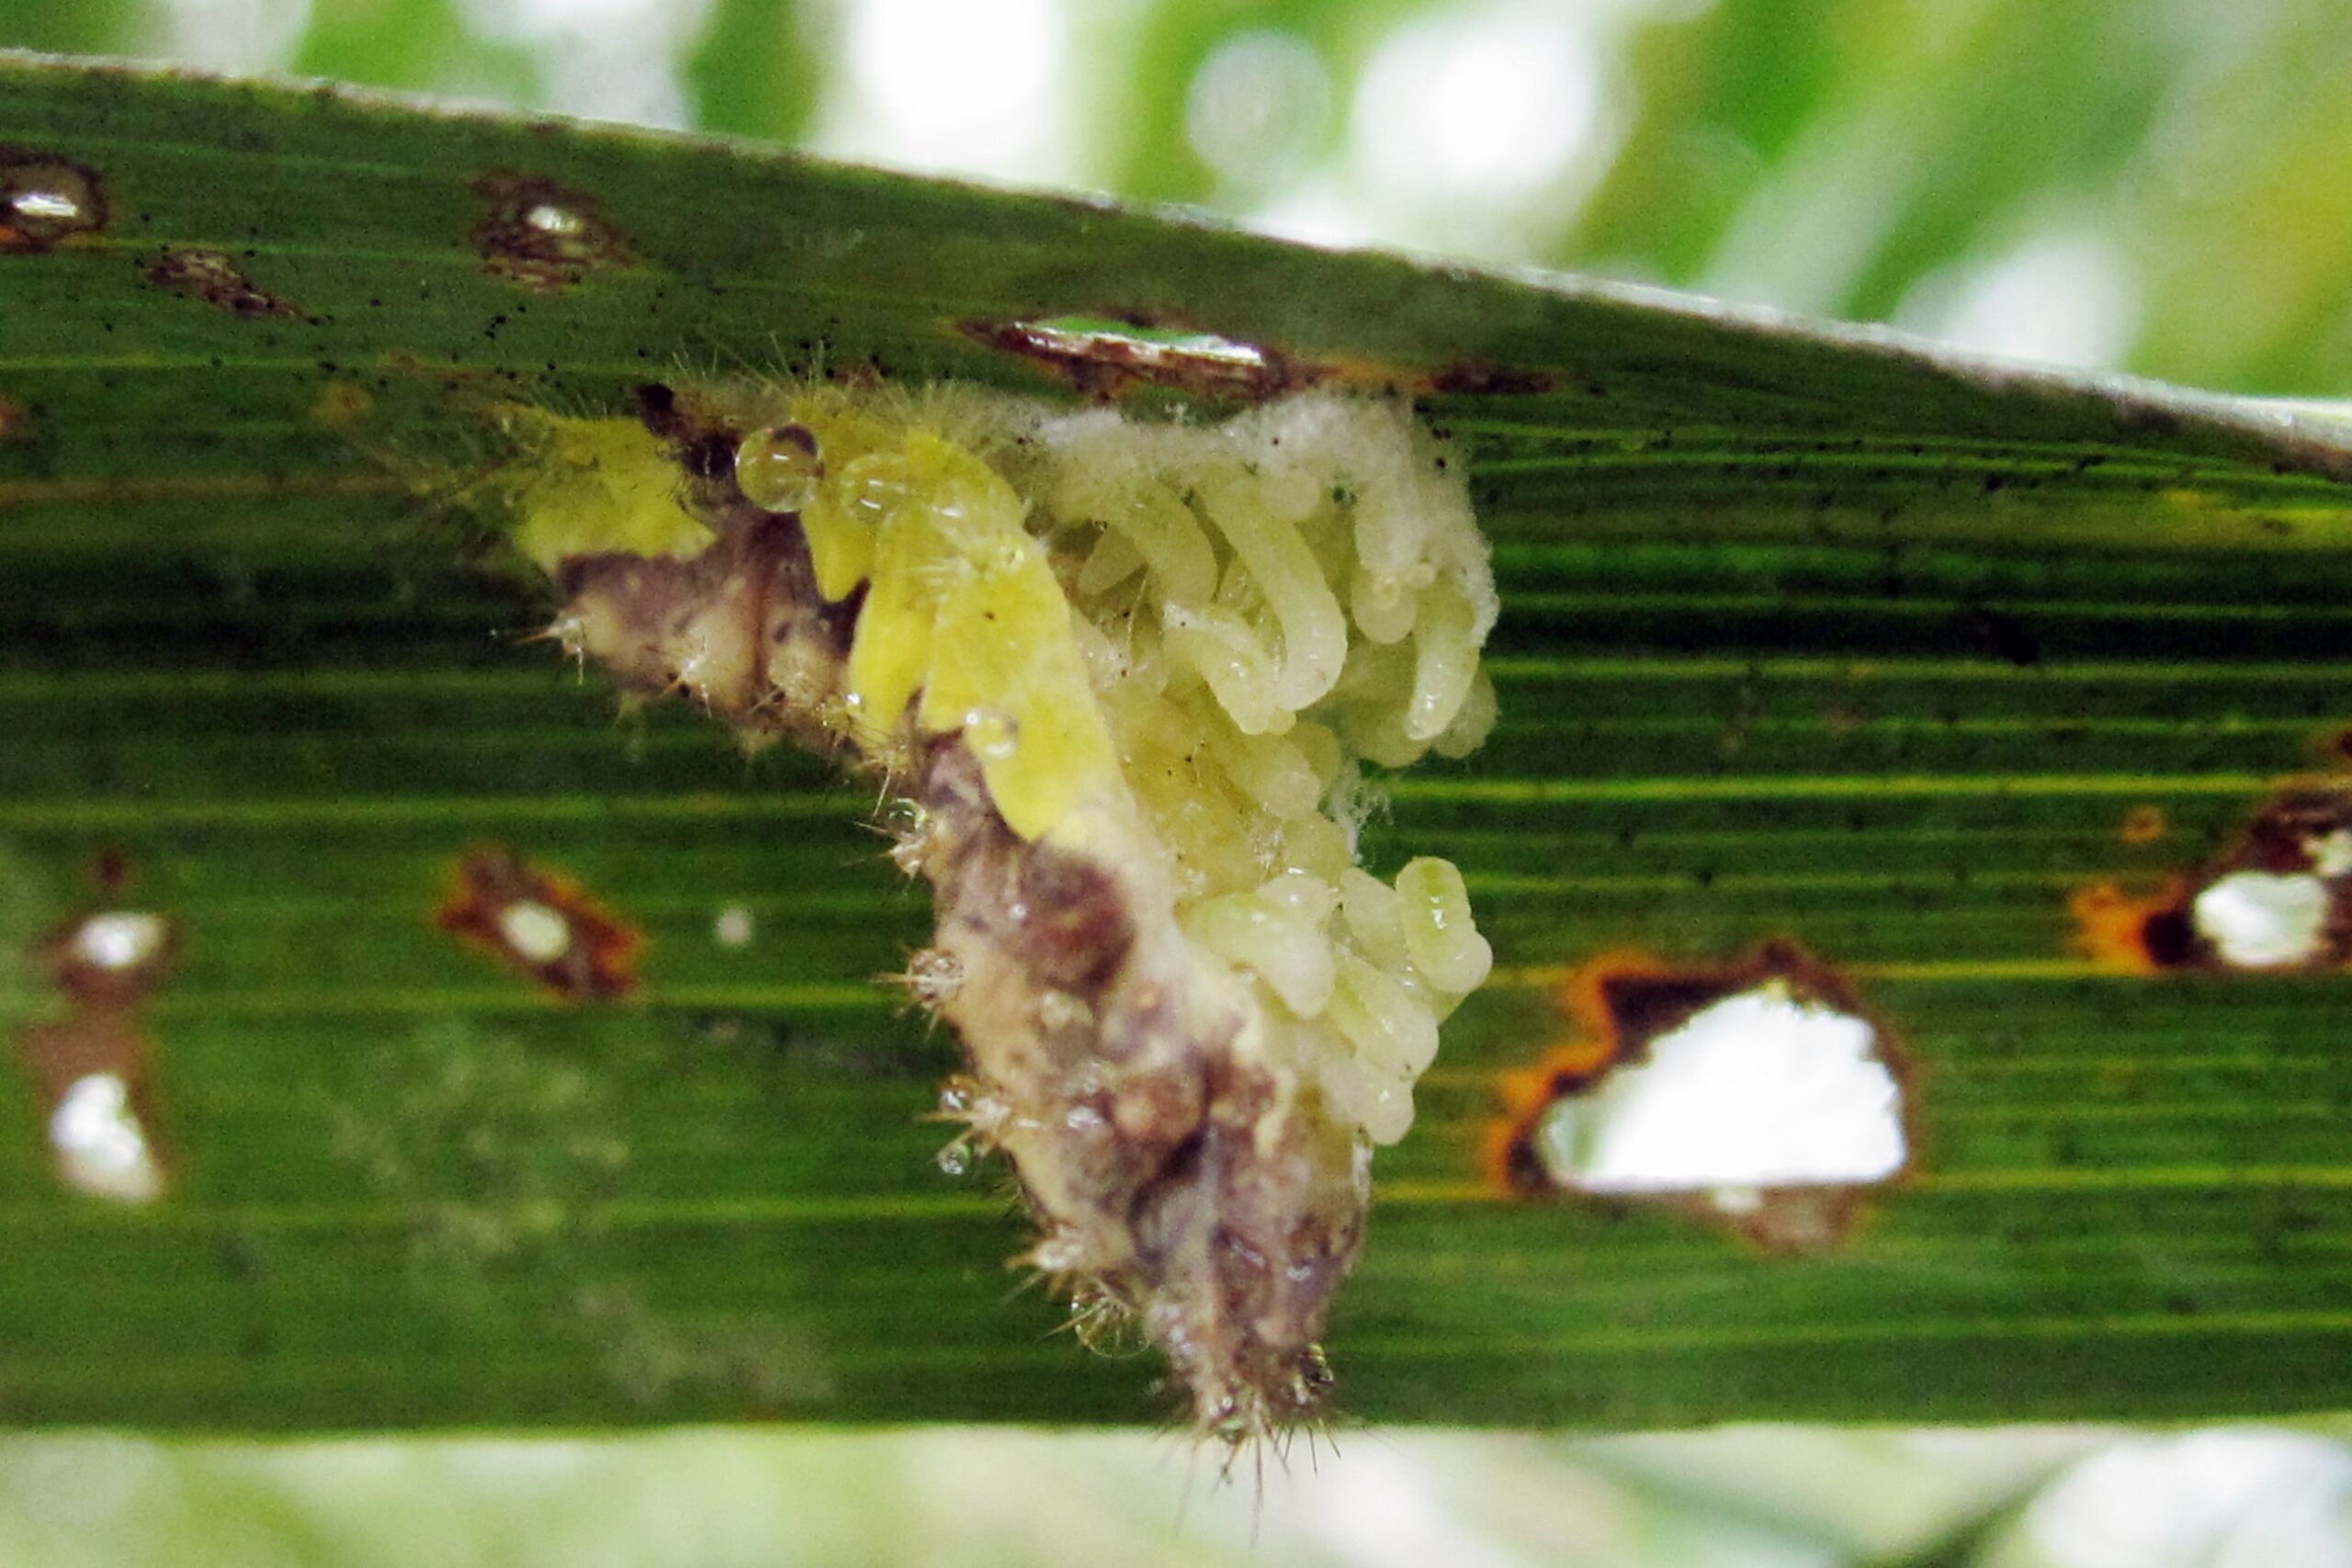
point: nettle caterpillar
(1124, 674)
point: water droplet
(875, 486)
(902, 816)
(934, 977)
(955, 1159)
(994, 736)
(950, 505)
(778, 468)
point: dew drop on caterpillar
(1124, 674)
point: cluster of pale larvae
(1127, 674)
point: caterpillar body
(1126, 672)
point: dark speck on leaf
(2004, 636)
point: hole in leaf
(1761, 1095)
(2279, 900)
(734, 926)
(45, 199)
(536, 233)
(1106, 356)
(112, 957)
(99, 1145)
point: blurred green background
(2151, 185)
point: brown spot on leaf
(94, 1073)
(1621, 1005)
(45, 199)
(215, 278)
(1476, 377)
(2144, 824)
(1845, 719)
(2001, 635)
(15, 417)
(542, 925)
(2112, 927)
(541, 235)
(90, 1059)
(113, 871)
(1106, 359)
(341, 404)
(60, 1053)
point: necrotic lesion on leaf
(89, 1051)
(1128, 673)
(1760, 1095)
(2278, 900)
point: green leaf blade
(1806, 636)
